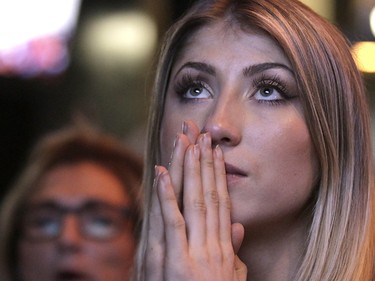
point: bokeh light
(372, 21)
(364, 54)
(127, 38)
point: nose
(70, 237)
(224, 123)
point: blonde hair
(71, 145)
(340, 246)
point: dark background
(30, 108)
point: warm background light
(323, 7)
(364, 54)
(372, 21)
(122, 38)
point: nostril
(224, 130)
(222, 141)
(225, 140)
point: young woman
(72, 214)
(270, 177)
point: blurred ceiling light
(364, 54)
(129, 37)
(34, 36)
(25, 20)
(323, 7)
(372, 20)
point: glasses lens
(101, 222)
(42, 223)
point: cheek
(35, 268)
(296, 149)
(293, 161)
(283, 168)
(114, 258)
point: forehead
(79, 182)
(227, 42)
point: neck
(273, 254)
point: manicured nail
(218, 152)
(156, 176)
(184, 127)
(196, 151)
(156, 170)
(172, 153)
(207, 139)
(176, 141)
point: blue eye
(197, 92)
(268, 93)
(192, 88)
(270, 90)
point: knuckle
(200, 206)
(209, 163)
(225, 202)
(213, 197)
(177, 223)
(216, 257)
(200, 257)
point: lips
(232, 170)
(70, 275)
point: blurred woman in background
(73, 213)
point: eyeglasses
(97, 220)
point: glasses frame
(126, 213)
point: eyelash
(187, 82)
(265, 81)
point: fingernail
(156, 177)
(196, 151)
(218, 152)
(172, 153)
(207, 139)
(176, 140)
(201, 139)
(184, 128)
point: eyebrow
(248, 71)
(256, 68)
(201, 66)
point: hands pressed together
(191, 236)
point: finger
(209, 190)
(177, 165)
(155, 245)
(194, 206)
(174, 223)
(224, 200)
(238, 234)
(240, 270)
(191, 130)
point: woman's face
(240, 87)
(72, 255)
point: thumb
(238, 233)
(240, 269)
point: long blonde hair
(340, 246)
